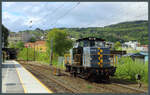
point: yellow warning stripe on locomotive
(100, 57)
(98, 53)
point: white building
(109, 44)
(132, 44)
(142, 48)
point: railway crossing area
(16, 79)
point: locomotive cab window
(91, 44)
(99, 44)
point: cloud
(101, 14)
(17, 15)
(8, 4)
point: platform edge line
(36, 79)
(25, 91)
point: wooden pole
(51, 52)
(34, 51)
(113, 59)
(116, 60)
(27, 53)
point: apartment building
(15, 37)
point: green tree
(117, 45)
(23, 55)
(5, 34)
(12, 45)
(32, 39)
(20, 45)
(61, 44)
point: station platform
(16, 79)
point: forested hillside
(125, 31)
(137, 30)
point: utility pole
(51, 53)
(27, 53)
(29, 44)
(34, 51)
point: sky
(19, 16)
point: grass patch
(89, 86)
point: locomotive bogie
(88, 72)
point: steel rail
(72, 90)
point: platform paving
(16, 79)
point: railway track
(116, 84)
(59, 84)
(55, 85)
(124, 86)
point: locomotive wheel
(74, 74)
(91, 76)
(87, 75)
(107, 77)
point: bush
(39, 56)
(127, 69)
(145, 79)
(43, 57)
(22, 55)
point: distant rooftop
(137, 54)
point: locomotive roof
(90, 39)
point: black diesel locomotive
(90, 58)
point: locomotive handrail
(67, 55)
